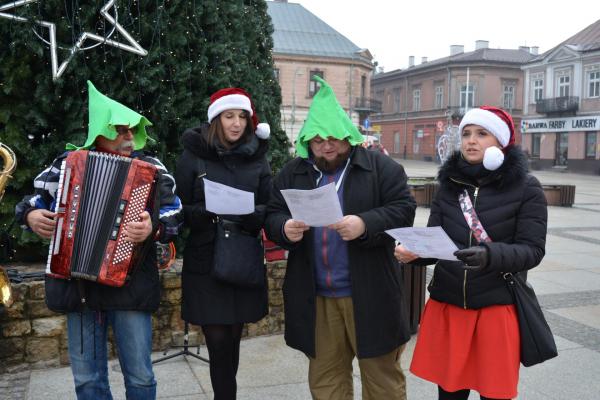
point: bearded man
(343, 288)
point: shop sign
(569, 124)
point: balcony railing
(367, 105)
(564, 104)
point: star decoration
(131, 45)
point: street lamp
(297, 72)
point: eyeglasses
(320, 142)
(123, 130)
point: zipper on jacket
(475, 194)
(465, 290)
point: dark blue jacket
(332, 272)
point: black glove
(475, 258)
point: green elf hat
(104, 114)
(326, 118)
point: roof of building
(505, 56)
(300, 32)
(583, 41)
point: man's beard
(127, 144)
(331, 166)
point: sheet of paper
(222, 199)
(316, 207)
(430, 242)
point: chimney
(411, 61)
(423, 60)
(524, 48)
(534, 50)
(481, 44)
(456, 49)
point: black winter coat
(245, 167)
(375, 189)
(511, 206)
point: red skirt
(469, 349)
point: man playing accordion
(91, 306)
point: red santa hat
(236, 99)
(500, 124)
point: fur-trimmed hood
(196, 140)
(513, 170)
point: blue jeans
(88, 353)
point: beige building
(305, 46)
(421, 102)
(561, 122)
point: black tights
(460, 395)
(223, 343)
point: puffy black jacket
(512, 208)
(245, 167)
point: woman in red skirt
(496, 213)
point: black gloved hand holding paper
(475, 258)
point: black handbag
(239, 257)
(537, 341)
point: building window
(439, 97)
(397, 142)
(466, 96)
(276, 74)
(536, 140)
(591, 141)
(538, 89)
(417, 135)
(314, 86)
(564, 84)
(508, 96)
(417, 100)
(363, 86)
(594, 84)
(397, 100)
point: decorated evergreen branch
(194, 49)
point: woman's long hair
(216, 133)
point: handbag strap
(201, 167)
(471, 217)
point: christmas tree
(194, 48)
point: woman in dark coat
(469, 335)
(230, 150)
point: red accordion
(98, 194)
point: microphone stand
(185, 351)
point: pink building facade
(420, 102)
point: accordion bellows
(98, 194)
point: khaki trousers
(330, 373)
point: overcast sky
(395, 29)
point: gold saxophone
(9, 165)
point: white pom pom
(263, 130)
(492, 158)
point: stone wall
(31, 336)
